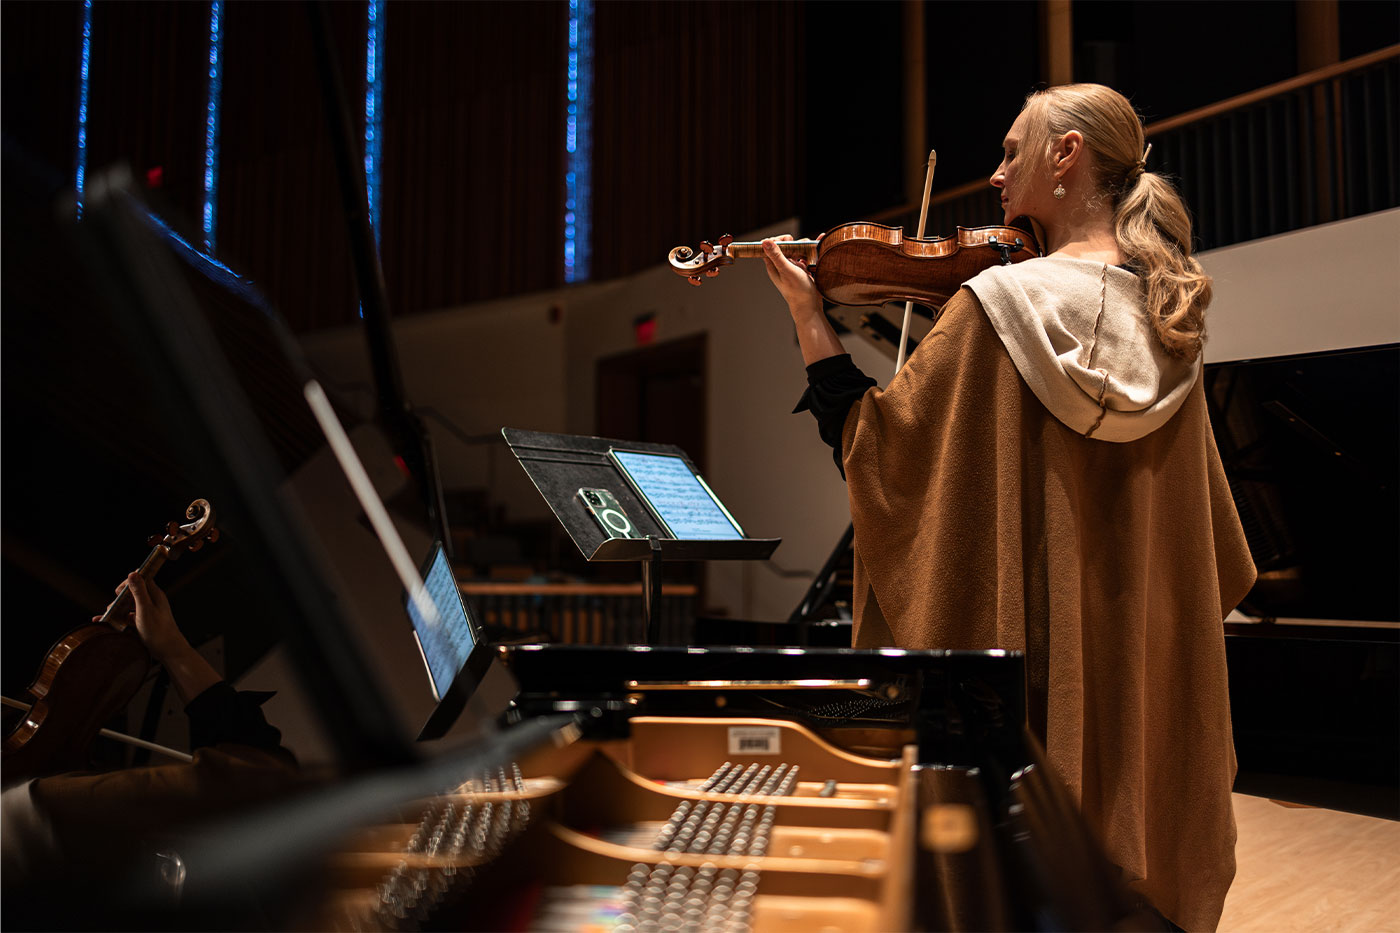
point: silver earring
(1059, 191)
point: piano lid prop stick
(369, 500)
(923, 222)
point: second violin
(91, 673)
(864, 264)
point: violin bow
(923, 222)
(109, 733)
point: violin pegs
(213, 536)
(706, 247)
(725, 240)
(693, 279)
(712, 272)
(172, 528)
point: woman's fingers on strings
(137, 584)
(773, 256)
(770, 262)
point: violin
(92, 673)
(865, 264)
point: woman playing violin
(1041, 476)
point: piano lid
(1311, 447)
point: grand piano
(745, 788)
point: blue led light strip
(578, 141)
(193, 255)
(374, 108)
(80, 158)
(211, 122)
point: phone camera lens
(593, 498)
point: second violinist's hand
(155, 623)
(190, 673)
(792, 280)
(151, 616)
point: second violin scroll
(867, 264)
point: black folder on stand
(561, 464)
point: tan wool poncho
(984, 518)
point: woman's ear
(1067, 151)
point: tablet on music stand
(676, 495)
(448, 642)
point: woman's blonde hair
(1150, 220)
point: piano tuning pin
(712, 272)
(726, 240)
(693, 279)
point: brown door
(655, 394)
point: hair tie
(1139, 166)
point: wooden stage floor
(1304, 869)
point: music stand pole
(651, 591)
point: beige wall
(485, 367)
(1323, 288)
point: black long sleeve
(833, 386)
(222, 714)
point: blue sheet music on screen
(677, 494)
(447, 644)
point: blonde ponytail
(1150, 221)
(1154, 233)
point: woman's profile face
(1024, 184)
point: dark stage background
(708, 118)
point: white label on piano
(755, 740)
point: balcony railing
(1317, 148)
(581, 613)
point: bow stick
(923, 222)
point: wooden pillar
(1056, 42)
(915, 102)
(1319, 44)
(1319, 38)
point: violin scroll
(192, 535)
(685, 261)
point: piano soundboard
(743, 789)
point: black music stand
(561, 464)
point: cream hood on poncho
(1081, 339)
